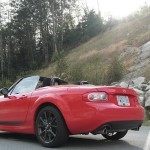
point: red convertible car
(52, 109)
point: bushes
(5, 83)
(95, 72)
(76, 73)
(61, 67)
(115, 70)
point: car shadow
(18, 137)
(84, 142)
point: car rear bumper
(116, 126)
(99, 115)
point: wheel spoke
(43, 132)
(47, 126)
(42, 121)
(41, 126)
(50, 131)
(46, 119)
(49, 135)
(45, 135)
(54, 119)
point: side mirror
(4, 91)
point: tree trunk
(62, 25)
(54, 29)
(43, 34)
(9, 57)
(1, 49)
(1, 57)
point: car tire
(115, 135)
(51, 130)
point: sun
(117, 8)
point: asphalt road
(134, 140)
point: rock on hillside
(141, 87)
(147, 97)
(139, 58)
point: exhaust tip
(102, 130)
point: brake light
(96, 96)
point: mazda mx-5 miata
(52, 109)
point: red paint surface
(80, 115)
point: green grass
(146, 123)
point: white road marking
(147, 144)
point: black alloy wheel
(115, 135)
(51, 129)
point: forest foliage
(37, 31)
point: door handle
(23, 97)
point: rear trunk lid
(116, 90)
(123, 97)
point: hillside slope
(89, 60)
(140, 57)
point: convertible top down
(52, 109)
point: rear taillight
(96, 96)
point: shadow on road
(74, 142)
(18, 137)
(97, 144)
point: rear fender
(55, 100)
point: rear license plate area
(123, 100)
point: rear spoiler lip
(117, 91)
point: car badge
(124, 91)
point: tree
(1, 40)
(94, 24)
(90, 25)
(38, 30)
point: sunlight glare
(117, 8)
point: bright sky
(4, 0)
(118, 8)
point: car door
(14, 108)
